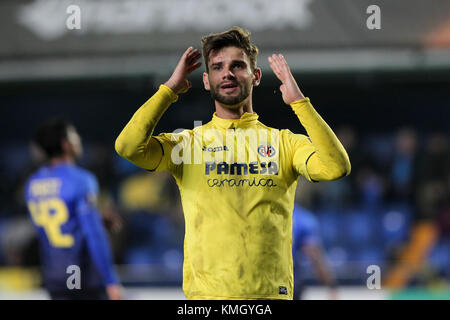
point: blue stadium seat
(142, 256)
(439, 257)
(359, 229)
(329, 224)
(338, 258)
(370, 255)
(381, 147)
(395, 224)
(165, 232)
(124, 167)
(173, 259)
(141, 229)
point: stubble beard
(230, 101)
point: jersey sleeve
(92, 187)
(173, 146)
(329, 161)
(93, 230)
(300, 150)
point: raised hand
(289, 88)
(178, 82)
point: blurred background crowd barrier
(385, 92)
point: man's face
(230, 78)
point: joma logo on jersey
(215, 149)
(266, 150)
(241, 168)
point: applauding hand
(289, 88)
(178, 82)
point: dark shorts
(298, 290)
(91, 294)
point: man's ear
(257, 74)
(206, 81)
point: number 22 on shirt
(51, 214)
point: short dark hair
(49, 136)
(234, 37)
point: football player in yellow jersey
(237, 177)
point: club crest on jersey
(266, 151)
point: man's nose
(228, 74)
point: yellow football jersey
(237, 180)
(238, 213)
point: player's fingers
(194, 57)
(275, 59)
(281, 60)
(192, 61)
(283, 63)
(274, 70)
(277, 62)
(184, 57)
(194, 66)
(186, 53)
(274, 66)
(192, 53)
(283, 67)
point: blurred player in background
(61, 198)
(306, 239)
(238, 213)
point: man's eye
(216, 68)
(237, 66)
